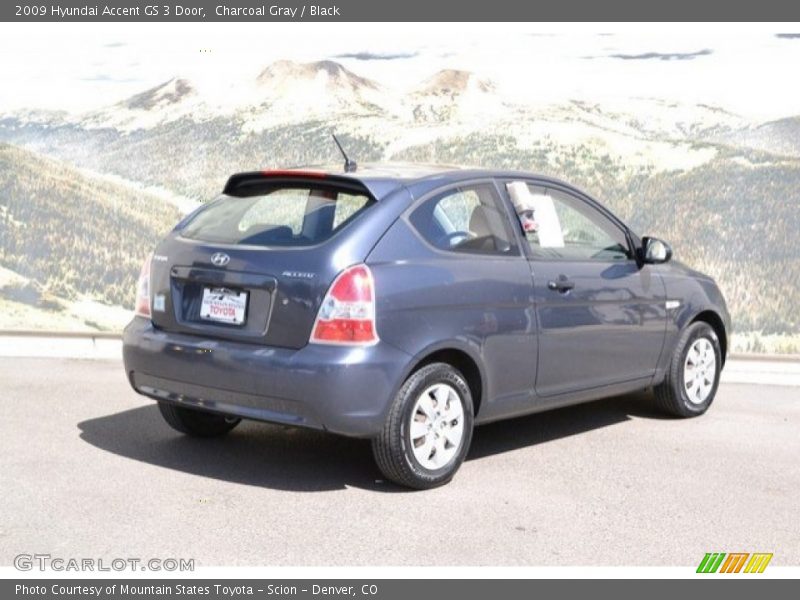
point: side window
(558, 225)
(465, 219)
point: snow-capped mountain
(287, 92)
(454, 83)
(288, 77)
(171, 93)
(456, 95)
(169, 101)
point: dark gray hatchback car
(407, 304)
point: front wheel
(428, 430)
(197, 423)
(693, 374)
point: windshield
(297, 215)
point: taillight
(143, 290)
(347, 314)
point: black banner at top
(399, 11)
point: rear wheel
(429, 428)
(197, 423)
(693, 375)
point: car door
(451, 275)
(600, 314)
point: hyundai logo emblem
(220, 259)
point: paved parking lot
(88, 469)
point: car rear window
(285, 215)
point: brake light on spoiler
(347, 313)
(293, 173)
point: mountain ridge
(286, 90)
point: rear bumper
(345, 390)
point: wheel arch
(461, 359)
(717, 324)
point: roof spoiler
(239, 182)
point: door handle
(561, 285)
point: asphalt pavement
(89, 469)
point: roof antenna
(350, 166)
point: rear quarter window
(295, 215)
(467, 219)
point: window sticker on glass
(544, 217)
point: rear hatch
(254, 264)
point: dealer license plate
(224, 306)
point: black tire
(393, 447)
(197, 423)
(671, 395)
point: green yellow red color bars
(719, 562)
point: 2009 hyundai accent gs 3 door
(407, 306)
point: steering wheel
(449, 238)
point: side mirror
(655, 251)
